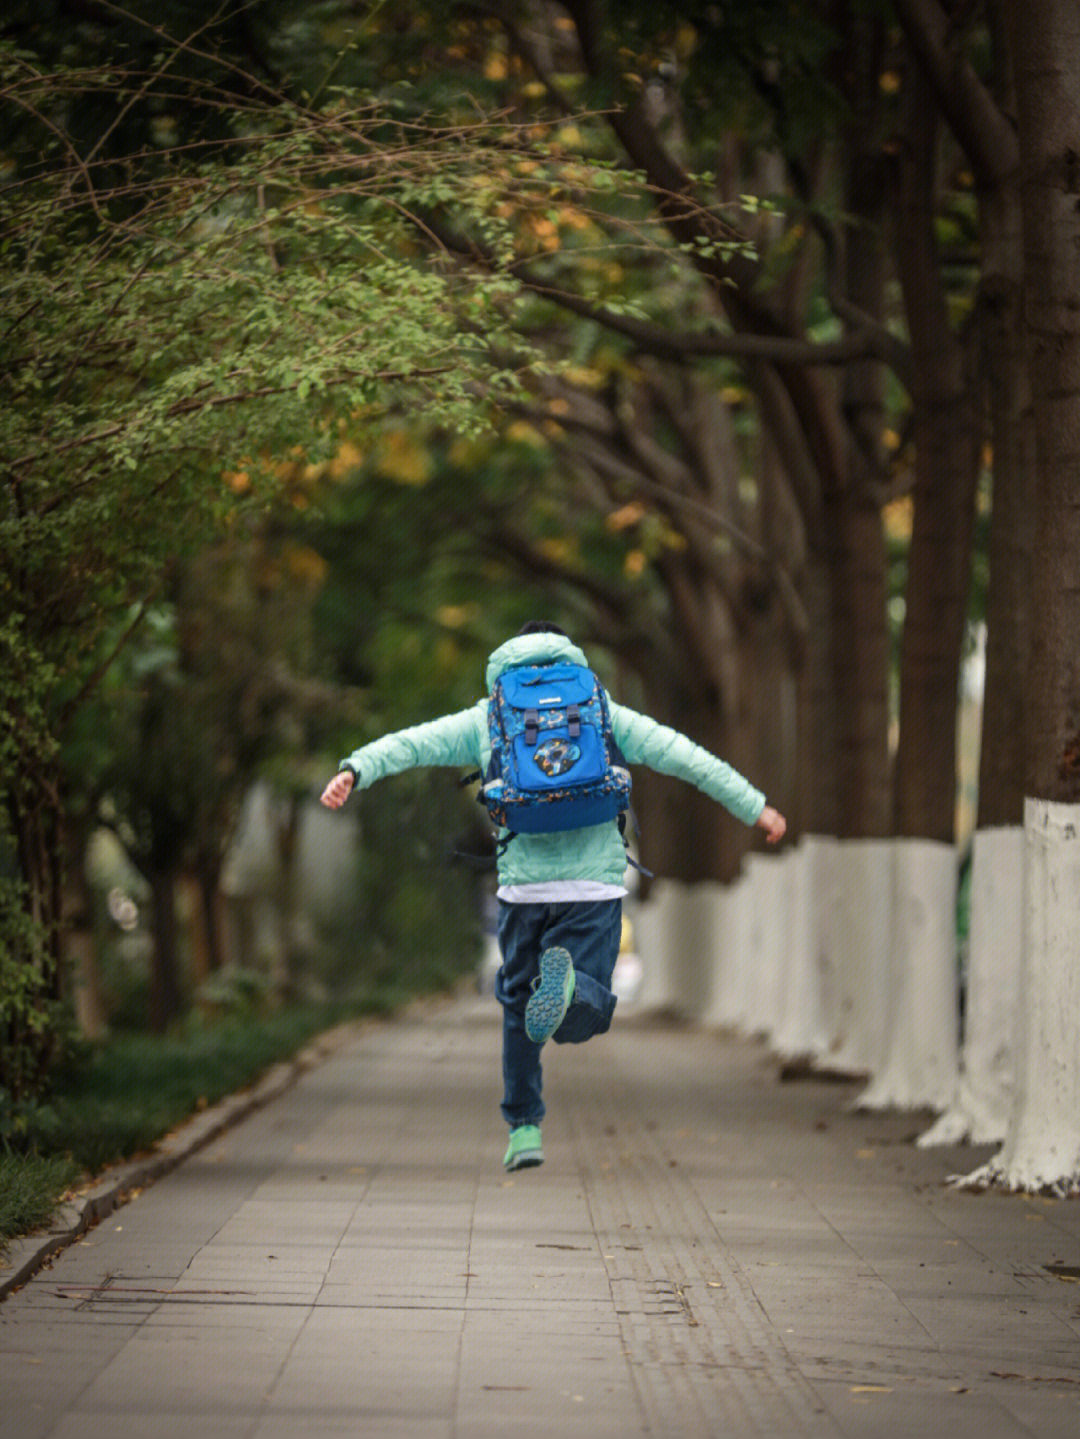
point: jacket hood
(531, 650)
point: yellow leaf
(899, 517)
(347, 459)
(625, 516)
(555, 549)
(584, 375)
(454, 616)
(522, 433)
(400, 458)
(305, 564)
(686, 39)
(635, 562)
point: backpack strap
(621, 821)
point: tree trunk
(856, 539)
(980, 1108)
(1042, 1144)
(198, 948)
(918, 1064)
(1047, 37)
(210, 911)
(165, 964)
(980, 118)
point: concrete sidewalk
(706, 1252)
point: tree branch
(986, 135)
(870, 342)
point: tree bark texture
(857, 572)
(947, 454)
(1003, 360)
(1008, 599)
(1046, 47)
(855, 543)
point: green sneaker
(551, 996)
(525, 1149)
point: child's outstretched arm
(453, 739)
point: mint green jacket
(597, 852)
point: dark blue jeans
(590, 930)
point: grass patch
(115, 1099)
(29, 1189)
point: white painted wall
(655, 928)
(697, 947)
(859, 971)
(980, 1109)
(729, 1004)
(918, 1064)
(765, 957)
(801, 1032)
(1041, 1150)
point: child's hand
(773, 823)
(339, 789)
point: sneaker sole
(529, 1159)
(548, 1004)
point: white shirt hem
(560, 891)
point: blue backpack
(554, 763)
